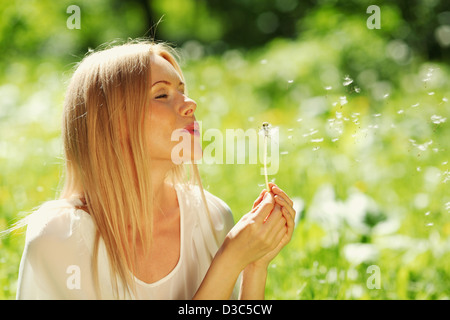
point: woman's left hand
(288, 211)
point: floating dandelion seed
(446, 175)
(421, 147)
(447, 206)
(347, 81)
(438, 119)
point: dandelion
(266, 132)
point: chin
(191, 153)
(195, 155)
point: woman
(129, 223)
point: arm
(255, 274)
(253, 283)
(253, 237)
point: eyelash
(164, 95)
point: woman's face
(174, 132)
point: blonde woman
(131, 223)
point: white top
(57, 258)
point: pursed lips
(193, 128)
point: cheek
(159, 135)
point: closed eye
(161, 96)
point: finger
(284, 204)
(265, 207)
(280, 238)
(277, 226)
(290, 222)
(259, 199)
(274, 215)
(276, 190)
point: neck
(162, 192)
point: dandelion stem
(266, 134)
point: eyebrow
(167, 82)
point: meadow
(364, 153)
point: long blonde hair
(106, 111)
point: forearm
(220, 279)
(253, 283)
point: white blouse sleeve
(56, 261)
(221, 216)
(223, 222)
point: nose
(188, 108)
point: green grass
(373, 192)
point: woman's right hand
(256, 233)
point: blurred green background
(363, 118)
